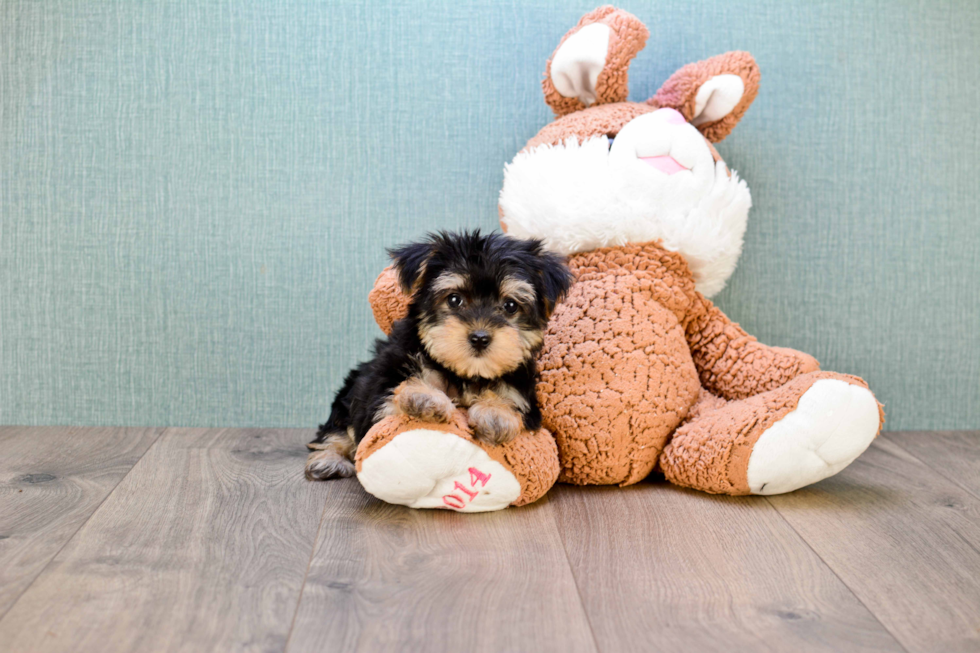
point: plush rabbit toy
(639, 370)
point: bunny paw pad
(833, 424)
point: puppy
(479, 307)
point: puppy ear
(713, 94)
(591, 63)
(410, 263)
(556, 279)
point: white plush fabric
(576, 65)
(421, 468)
(834, 422)
(716, 98)
(580, 196)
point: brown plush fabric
(602, 120)
(616, 373)
(385, 431)
(388, 303)
(733, 364)
(680, 90)
(627, 36)
(705, 403)
(532, 456)
(710, 452)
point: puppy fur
(480, 304)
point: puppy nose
(480, 340)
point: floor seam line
(568, 564)
(838, 577)
(82, 525)
(306, 574)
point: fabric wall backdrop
(196, 196)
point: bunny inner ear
(716, 98)
(577, 63)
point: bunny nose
(480, 340)
(674, 117)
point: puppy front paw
(494, 424)
(327, 464)
(426, 404)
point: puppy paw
(427, 405)
(327, 464)
(494, 424)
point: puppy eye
(454, 300)
(510, 306)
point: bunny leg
(778, 441)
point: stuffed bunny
(639, 370)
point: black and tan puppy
(479, 307)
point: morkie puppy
(479, 307)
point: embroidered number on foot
(458, 503)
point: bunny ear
(713, 94)
(590, 65)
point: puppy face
(477, 325)
(481, 303)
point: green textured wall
(195, 196)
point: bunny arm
(731, 363)
(389, 303)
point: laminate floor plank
(904, 539)
(51, 480)
(387, 578)
(662, 568)
(953, 454)
(202, 547)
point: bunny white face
(609, 172)
(656, 180)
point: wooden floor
(211, 540)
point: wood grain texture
(51, 480)
(202, 547)
(661, 568)
(205, 544)
(955, 455)
(904, 539)
(386, 578)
